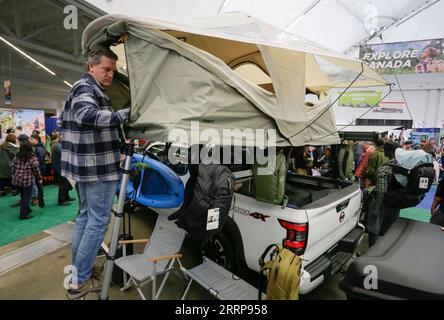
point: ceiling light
(67, 83)
(33, 60)
(27, 56)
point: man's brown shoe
(78, 291)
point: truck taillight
(296, 239)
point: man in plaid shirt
(91, 157)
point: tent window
(121, 62)
(337, 74)
(253, 73)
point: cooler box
(409, 260)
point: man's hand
(123, 114)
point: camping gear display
(284, 273)
(157, 185)
(269, 182)
(413, 177)
(402, 183)
(419, 182)
(181, 81)
(213, 190)
(185, 74)
(406, 263)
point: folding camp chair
(158, 257)
(219, 282)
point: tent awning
(221, 42)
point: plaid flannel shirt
(23, 171)
(90, 134)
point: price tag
(423, 183)
(213, 219)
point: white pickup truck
(324, 230)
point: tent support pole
(118, 214)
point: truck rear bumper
(331, 262)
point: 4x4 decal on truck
(256, 215)
(260, 216)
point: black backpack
(419, 182)
(421, 178)
(214, 188)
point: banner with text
(360, 99)
(426, 56)
(390, 107)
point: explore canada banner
(426, 56)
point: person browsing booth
(91, 157)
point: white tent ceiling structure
(334, 24)
(36, 27)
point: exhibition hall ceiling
(40, 29)
(335, 24)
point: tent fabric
(178, 87)
(202, 87)
(232, 35)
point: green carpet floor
(13, 229)
(423, 215)
(422, 211)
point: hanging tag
(213, 219)
(423, 183)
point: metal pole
(117, 222)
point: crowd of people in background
(367, 159)
(24, 161)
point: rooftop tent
(182, 71)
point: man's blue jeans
(96, 201)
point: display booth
(25, 121)
(422, 134)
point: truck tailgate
(330, 219)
